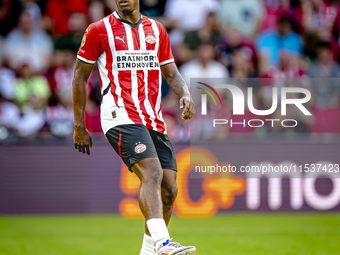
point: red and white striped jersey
(129, 57)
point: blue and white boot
(172, 248)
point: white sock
(159, 232)
(148, 247)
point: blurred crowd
(277, 40)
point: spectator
(152, 8)
(31, 94)
(33, 119)
(232, 41)
(29, 85)
(245, 15)
(7, 83)
(272, 43)
(9, 117)
(9, 14)
(98, 9)
(242, 64)
(35, 11)
(204, 66)
(324, 66)
(190, 15)
(62, 75)
(1, 49)
(289, 66)
(59, 11)
(7, 79)
(59, 115)
(77, 24)
(326, 91)
(209, 33)
(317, 17)
(155, 9)
(29, 46)
(274, 9)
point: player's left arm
(180, 88)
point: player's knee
(155, 177)
(169, 194)
(153, 174)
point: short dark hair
(285, 20)
(324, 45)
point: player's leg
(167, 160)
(150, 174)
(169, 193)
(135, 146)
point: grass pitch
(231, 234)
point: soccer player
(132, 51)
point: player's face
(127, 5)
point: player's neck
(130, 16)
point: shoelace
(174, 244)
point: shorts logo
(150, 39)
(140, 148)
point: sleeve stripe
(85, 60)
(167, 62)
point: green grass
(254, 234)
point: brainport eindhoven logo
(239, 103)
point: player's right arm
(82, 138)
(90, 49)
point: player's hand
(82, 140)
(189, 107)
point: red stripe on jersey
(135, 36)
(125, 81)
(148, 31)
(142, 97)
(160, 42)
(153, 88)
(109, 61)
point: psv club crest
(140, 148)
(150, 39)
